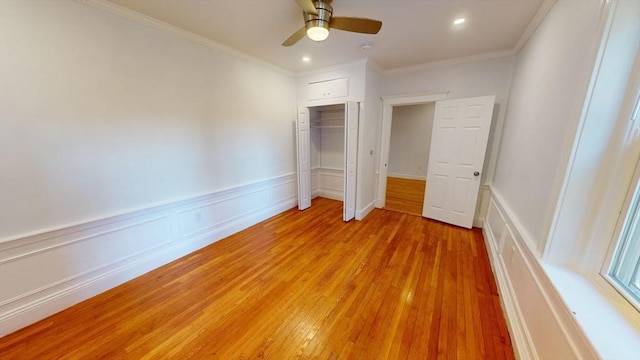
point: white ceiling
(413, 32)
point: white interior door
(304, 163)
(350, 159)
(458, 145)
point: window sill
(609, 322)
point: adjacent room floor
(301, 284)
(405, 195)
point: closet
(327, 143)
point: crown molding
(125, 13)
(338, 67)
(536, 20)
(454, 61)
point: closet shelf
(327, 126)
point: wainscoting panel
(540, 324)
(45, 273)
(330, 183)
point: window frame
(625, 216)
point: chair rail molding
(47, 272)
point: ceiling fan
(318, 20)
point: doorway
(459, 138)
(389, 104)
(409, 145)
(326, 141)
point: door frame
(388, 102)
(348, 214)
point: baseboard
(360, 214)
(331, 194)
(407, 176)
(540, 324)
(123, 247)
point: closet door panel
(350, 159)
(304, 161)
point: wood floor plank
(405, 195)
(302, 284)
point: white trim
(407, 176)
(619, 338)
(333, 68)
(510, 255)
(520, 338)
(126, 13)
(136, 242)
(413, 99)
(360, 214)
(537, 19)
(331, 194)
(87, 224)
(576, 122)
(449, 62)
(388, 103)
(484, 193)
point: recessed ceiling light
(459, 21)
(306, 59)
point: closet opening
(327, 140)
(327, 151)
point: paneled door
(458, 146)
(304, 164)
(351, 114)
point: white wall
(547, 94)
(369, 142)
(123, 148)
(100, 115)
(487, 77)
(560, 119)
(604, 157)
(410, 140)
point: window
(624, 271)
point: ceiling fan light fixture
(317, 30)
(319, 19)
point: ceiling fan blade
(359, 25)
(307, 6)
(295, 37)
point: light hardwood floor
(301, 284)
(405, 195)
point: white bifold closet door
(304, 154)
(458, 145)
(351, 115)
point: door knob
(475, 173)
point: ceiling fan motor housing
(322, 19)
